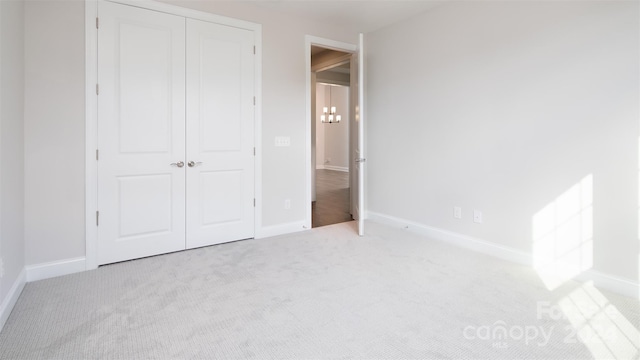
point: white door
(220, 127)
(357, 136)
(141, 132)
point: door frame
(91, 110)
(333, 45)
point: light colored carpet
(321, 294)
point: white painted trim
(330, 44)
(308, 163)
(336, 168)
(91, 110)
(55, 269)
(612, 283)
(460, 240)
(282, 229)
(257, 141)
(12, 297)
(605, 281)
(91, 134)
(319, 167)
(190, 13)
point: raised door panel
(141, 127)
(220, 133)
(220, 95)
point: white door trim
(330, 44)
(91, 109)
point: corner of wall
(12, 297)
(12, 244)
(281, 229)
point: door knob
(178, 164)
(192, 163)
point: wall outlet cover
(477, 216)
(457, 212)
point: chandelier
(329, 115)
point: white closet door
(141, 131)
(220, 123)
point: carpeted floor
(321, 294)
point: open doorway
(330, 136)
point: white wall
(504, 107)
(12, 248)
(54, 130)
(55, 124)
(332, 140)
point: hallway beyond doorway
(332, 198)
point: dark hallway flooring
(332, 198)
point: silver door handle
(178, 164)
(361, 160)
(192, 163)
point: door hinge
(97, 89)
(254, 202)
(97, 218)
(254, 49)
(254, 151)
(97, 155)
(97, 23)
(254, 100)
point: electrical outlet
(477, 216)
(457, 212)
(287, 204)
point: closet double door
(175, 133)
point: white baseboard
(612, 283)
(12, 297)
(275, 230)
(605, 281)
(55, 268)
(319, 167)
(451, 237)
(336, 168)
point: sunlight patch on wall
(563, 235)
(599, 325)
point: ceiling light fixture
(329, 115)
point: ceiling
(358, 15)
(340, 69)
